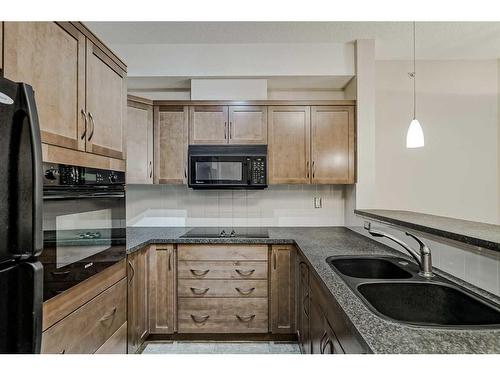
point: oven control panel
(258, 171)
(70, 175)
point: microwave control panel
(258, 171)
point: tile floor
(213, 347)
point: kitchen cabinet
(303, 307)
(106, 98)
(162, 289)
(282, 289)
(332, 144)
(228, 125)
(289, 144)
(1, 45)
(208, 125)
(51, 58)
(170, 144)
(80, 90)
(139, 141)
(138, 278)
(247, 125)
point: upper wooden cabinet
(332, 144)
(106, 104)
(247, 125)
(80, 89)
(208, 125)
(228, 125)
(140, 141)
(282, 289)
(289, 144)
(171, 137)
(51, 58)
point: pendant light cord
(414, 74)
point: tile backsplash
(283, 205)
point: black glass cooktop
(217, 232)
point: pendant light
(415, 135)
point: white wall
(456, 173)
(284, 205)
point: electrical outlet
(317, 202)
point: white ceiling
(435, 40)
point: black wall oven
(227, 167)
(84, 224)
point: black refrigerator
(21, 242)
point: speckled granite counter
(317, 244)
(469, 232)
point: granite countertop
(318, 243)
(469, 232)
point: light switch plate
(317, 202)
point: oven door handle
(83, 196)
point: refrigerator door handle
(36, 152)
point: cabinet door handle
(108, 316)
(245, 319)
(150, 169)
(200, 319)
(245, 292)
(133, 271)
(62, 351)
(169, 261)
(245, 273)
(230, 131)
(86, 120)
(321, 344)
(274, 259)
(199, 272)
(307, 168)
(93, 125)
(314, 168)
(199, 292)
(225, 130)
(185, 172)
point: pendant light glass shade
(415, 135)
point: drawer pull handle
(200, 319)
(245, 292)
(245, 273)
(245, 319)
(60, 273)
(62, 351)
(199, 292)
(199, 272)
(322, 344)
(108, 316)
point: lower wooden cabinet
(162, 289)
(282, 289)
(116, 344)
(138, 285)
(303, 307)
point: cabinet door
(137, 299)
(289, 145)
(106, 97)
(330, 344)
(283, 289)
(318, 332)
(248, 125)
(304, 308)
(208, 125)
(332, 144)
(171, 129)
(50, 57)
(139, 143)
(162, 306)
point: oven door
(84, 233)
(218, 171)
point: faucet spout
(423, 257)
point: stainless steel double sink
(392, 288)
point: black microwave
(227, 167)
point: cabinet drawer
(117, 343)
(222, 270)
(222, 252)
(223, 315)
(87, 328)
(222, 288)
